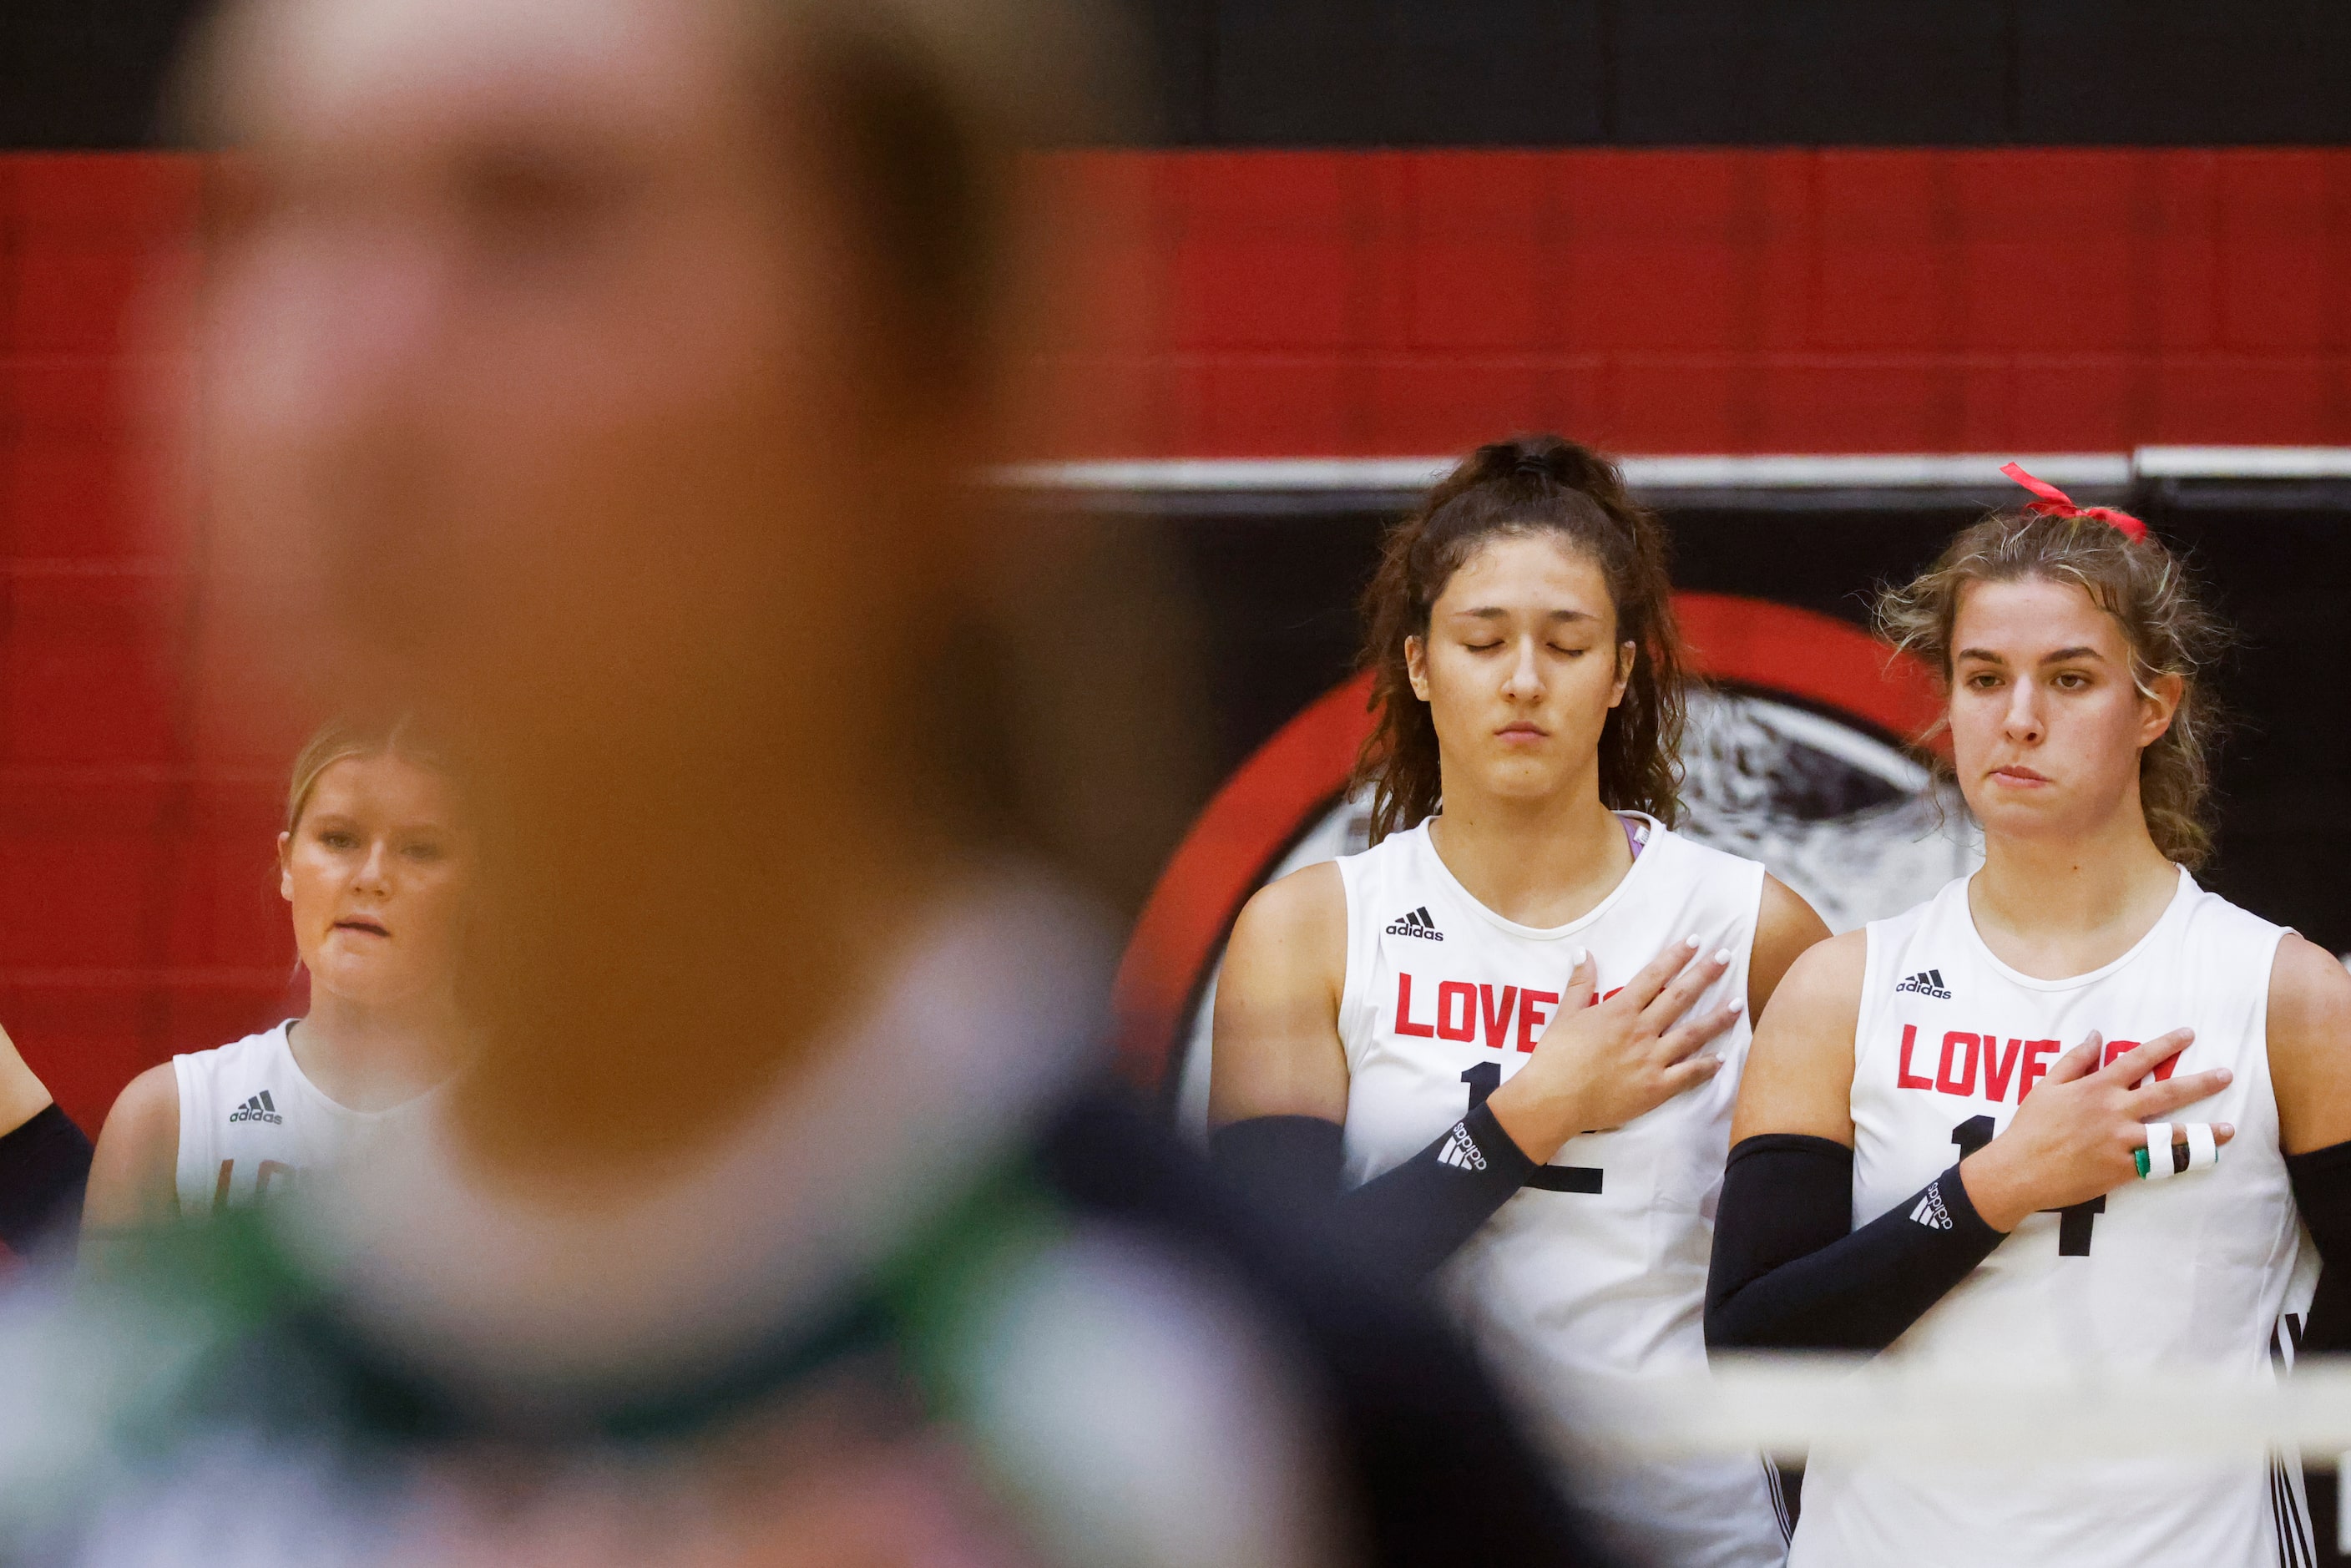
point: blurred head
(607, 378)
(1521, 637)
(373, 860)
(561, 344)
(2073, 659)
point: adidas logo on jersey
(1416, 923)
(1461, 1149)
(260, 1108)
(1930, 1211)
(1926, 983)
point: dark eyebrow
(1985, 655)
(1496, 613)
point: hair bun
(1550, 458)
(1525, 456)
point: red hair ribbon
(2055, 503)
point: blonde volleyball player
(1921, 1161)
(1494, 1026)
(373, 863)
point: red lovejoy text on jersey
(1965, 1058)
(2163, 1070)
(1461, 1011)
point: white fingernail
(1581, 954)
(1689, 941)
(1722, 954)
(1738, 1004)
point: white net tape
(1782, 1404)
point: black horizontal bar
(1536, 73)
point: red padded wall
(1787, 301)
(138, 911)
(1303, 304)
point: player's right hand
(2074, 1137)
(1601, 1065)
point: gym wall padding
(1307, 304)
(1727, 300)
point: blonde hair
(341, 739)
(2164, 622)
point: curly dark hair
(2147, 590)
(1527, 485)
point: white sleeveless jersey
(2191, 1272)
(251, 1124)
(1595, 1273)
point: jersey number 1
(1487, 1077)
(2073, 1220)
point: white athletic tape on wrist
(2203, 1148)
(2158, 1151)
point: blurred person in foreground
(603, 378)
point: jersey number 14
(2073, 1220)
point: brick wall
(138, 914)
(1791, 300)
(1301, 304)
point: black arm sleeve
(1411, 1218)
(2322, 1190)
(43, 1166)
(1285, 1164)
(1790, 1272)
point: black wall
(86, 74)
(1248, 73)
(1277, 593)
(1657, 72)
